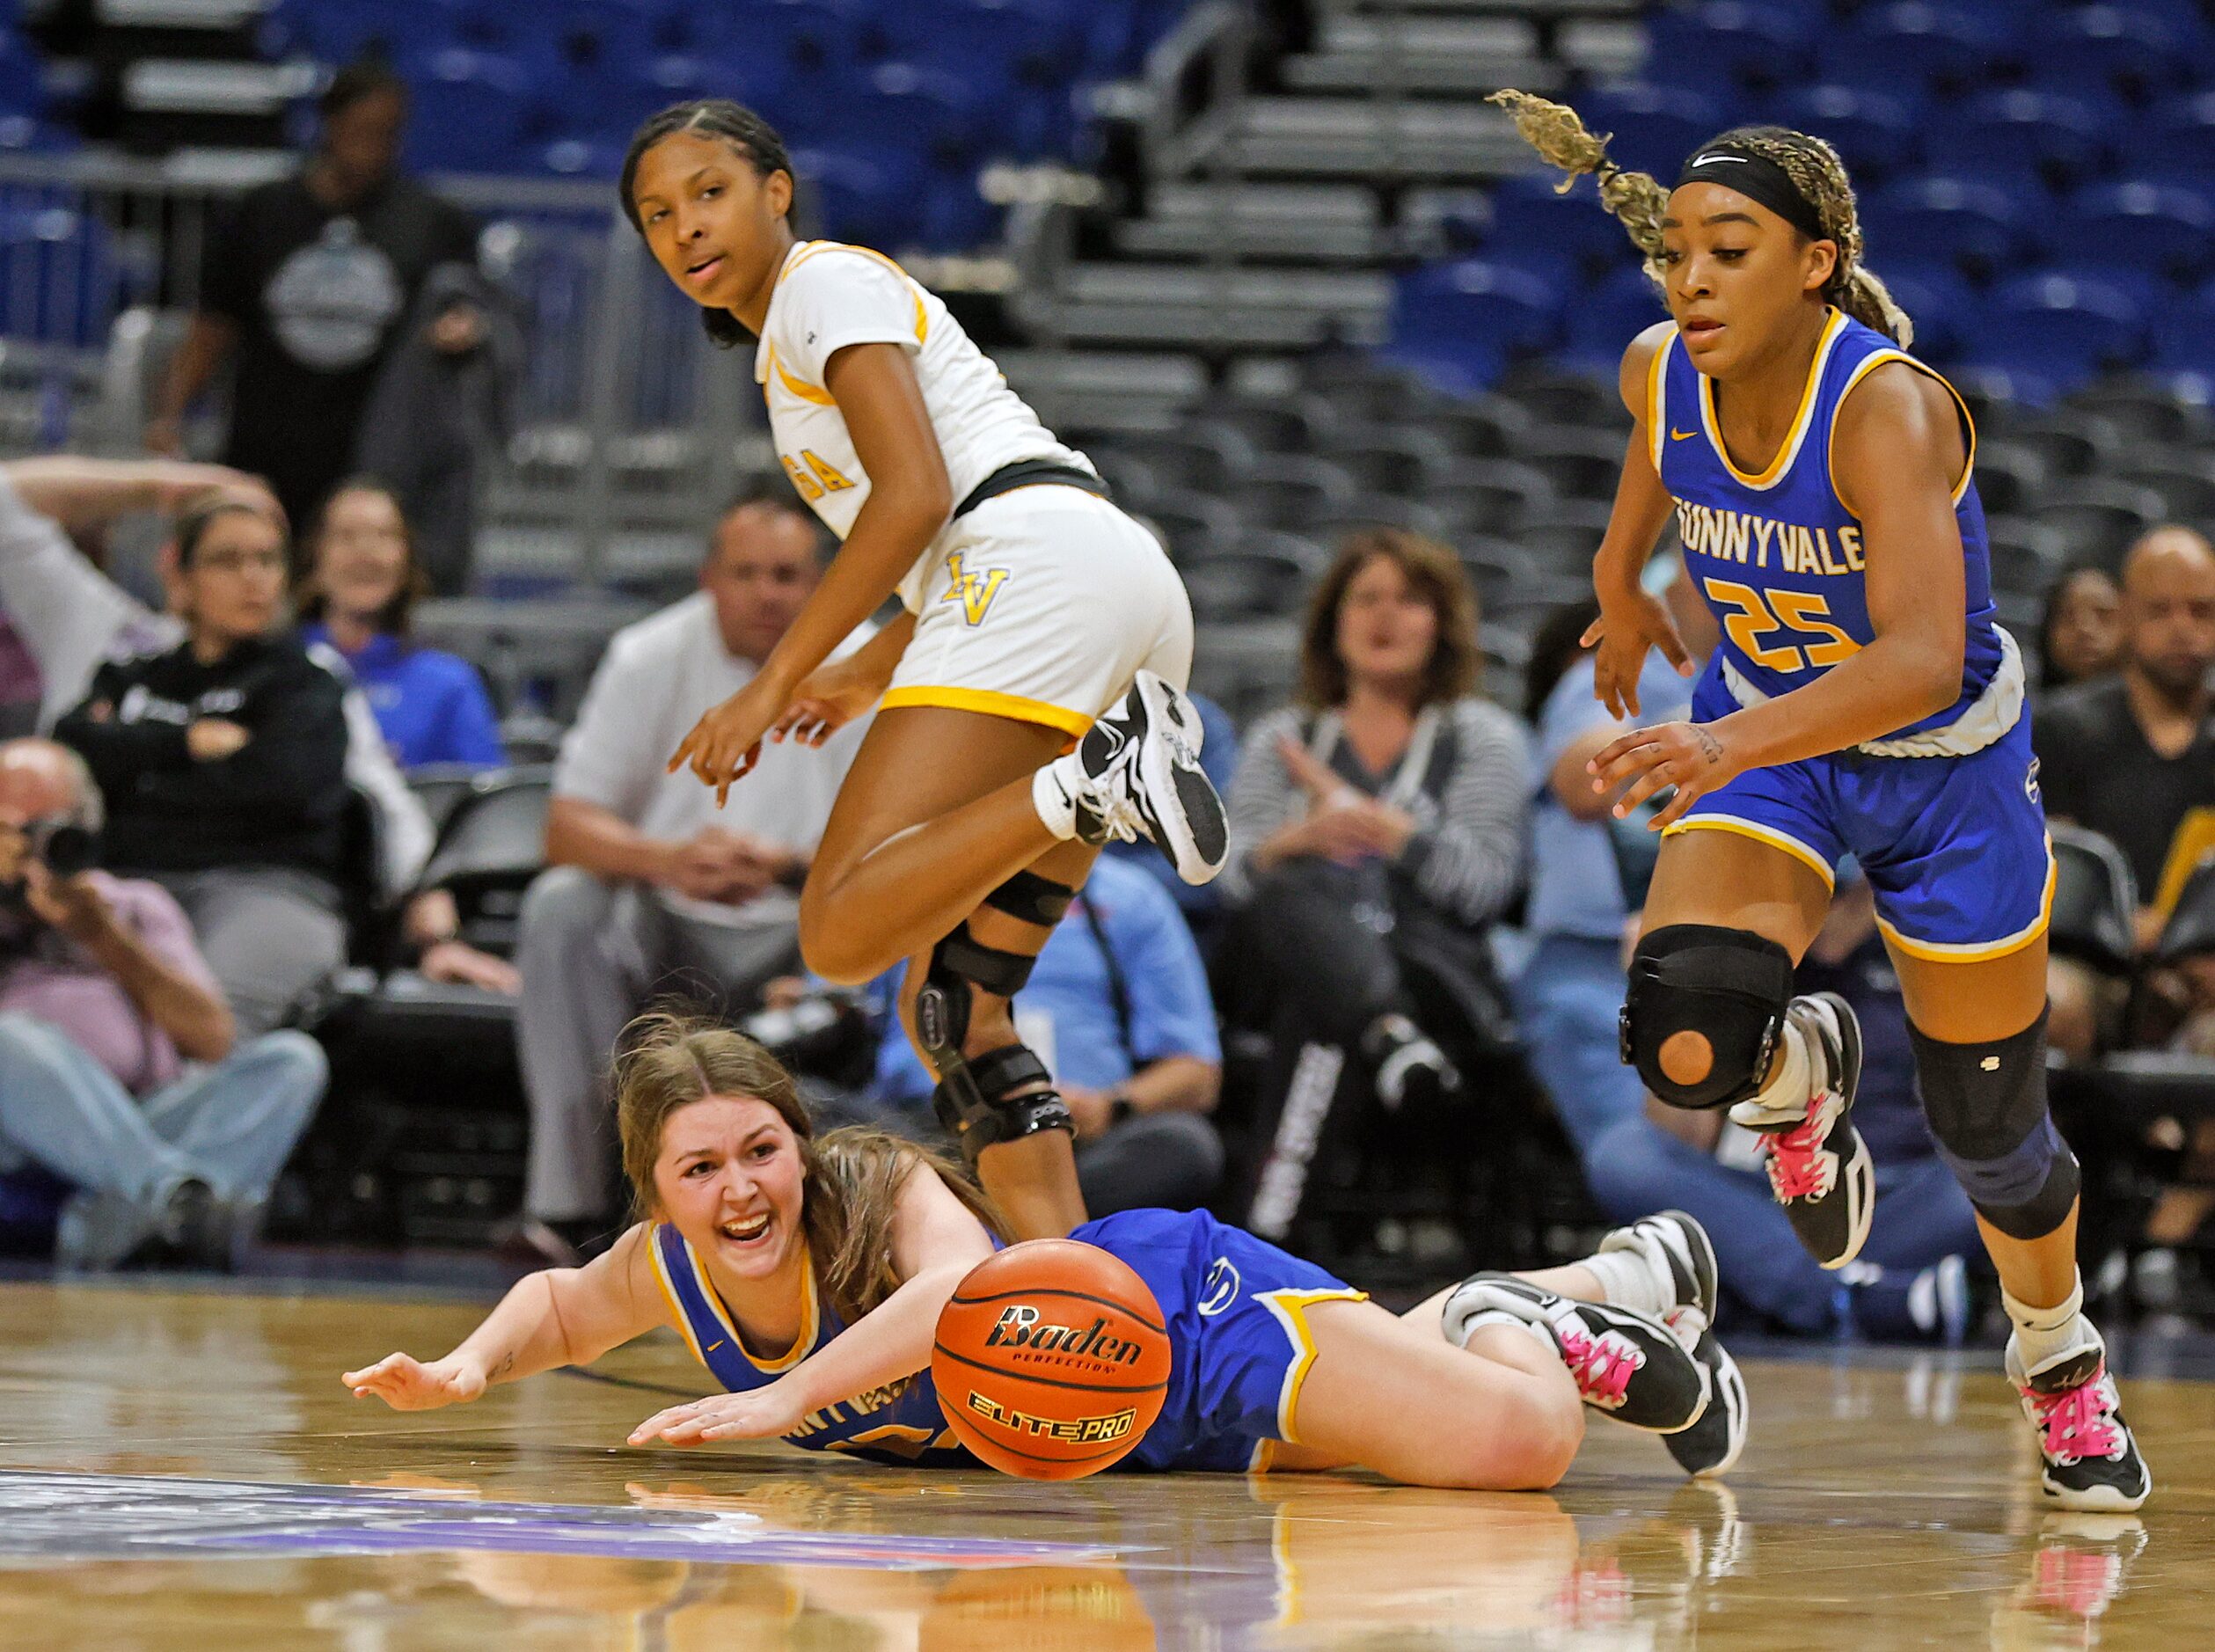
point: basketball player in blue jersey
(808, 1274)
(1863, 701)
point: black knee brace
(1729, 985)
(972, 1099)
(1986, 1104)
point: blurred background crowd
(335, 836)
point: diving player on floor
(1863, 701)
(808, 1274)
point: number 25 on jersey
(1799, 615)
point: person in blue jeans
(1909, 1280)
(362, 583)
(1119, 1009)
(1569, 995)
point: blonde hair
(1640, 201)
(852, 1177)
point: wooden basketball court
(180, 1469)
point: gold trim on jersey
(810, 1320)
(1789, 449)
(1657, 398)
(799, 387)
(809, 249)
(1877, 358)
(992, 704)
(1977, 951)
(1760, 834)
(1291, 1308)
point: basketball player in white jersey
(1036, 617)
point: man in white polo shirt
(652, 890)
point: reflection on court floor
(186, 1469)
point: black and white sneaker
(1819, 1167)
(1676, 1250)
(1625, 1365)
(1136, 772)
(2091, 1458)
(1682, 1258)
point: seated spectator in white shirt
(121, 1071)
(653, 889)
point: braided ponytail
(1640, 201)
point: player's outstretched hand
(726, 743)
(764, 1413)
(1689, 757)
(826, 700)
(1629, 623)
(406, 1384)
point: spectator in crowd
(1377, 828)
(223, 762)
(1118, 1009)
(119, 1069)
(363, 582)
(1569, 995)
(2132, 754)
(652, 888)
(1909, 1281)
(305, 286)
(2079, 630)
(69, 616)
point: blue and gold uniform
(1235, 1306)
(1943, 814)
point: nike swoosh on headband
(1705, 160)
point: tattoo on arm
(1710, 747)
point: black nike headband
(1757, 178)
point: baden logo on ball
(1051, 1360)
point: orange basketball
(1051, 1360)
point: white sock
(2042, 1335)
(1784, 1098)
(1052, 795)
(1627, 1282)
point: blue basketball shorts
(1954, 848)
(1236, 1308)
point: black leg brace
(972, 1099)
(1986, 1104)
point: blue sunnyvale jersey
(1777, 556)
(899, 1423)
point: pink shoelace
(2077, 1423)
(1602, 1365)
(1797, 1169)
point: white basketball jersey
(830, 296)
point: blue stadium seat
(2184, 336)
(2175, 138)
(1912, 43)
(1464, 320)
(1752, 47)
(1969, 222)
(1936, 298)
(472, 113)
(58, 275)
(2066, 330)
(803, 37)
(872, 195)
(1034, 43)
(1604, 321)
(2133, 52)
(1655, 127)
(1526, 213)
(1875, 133)
(2168, 228)
(946, 117)
(582, 158)
(340, 31)
(2063, 136)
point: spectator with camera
(121, 1070)
(1118, 1009)
(652, 888)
